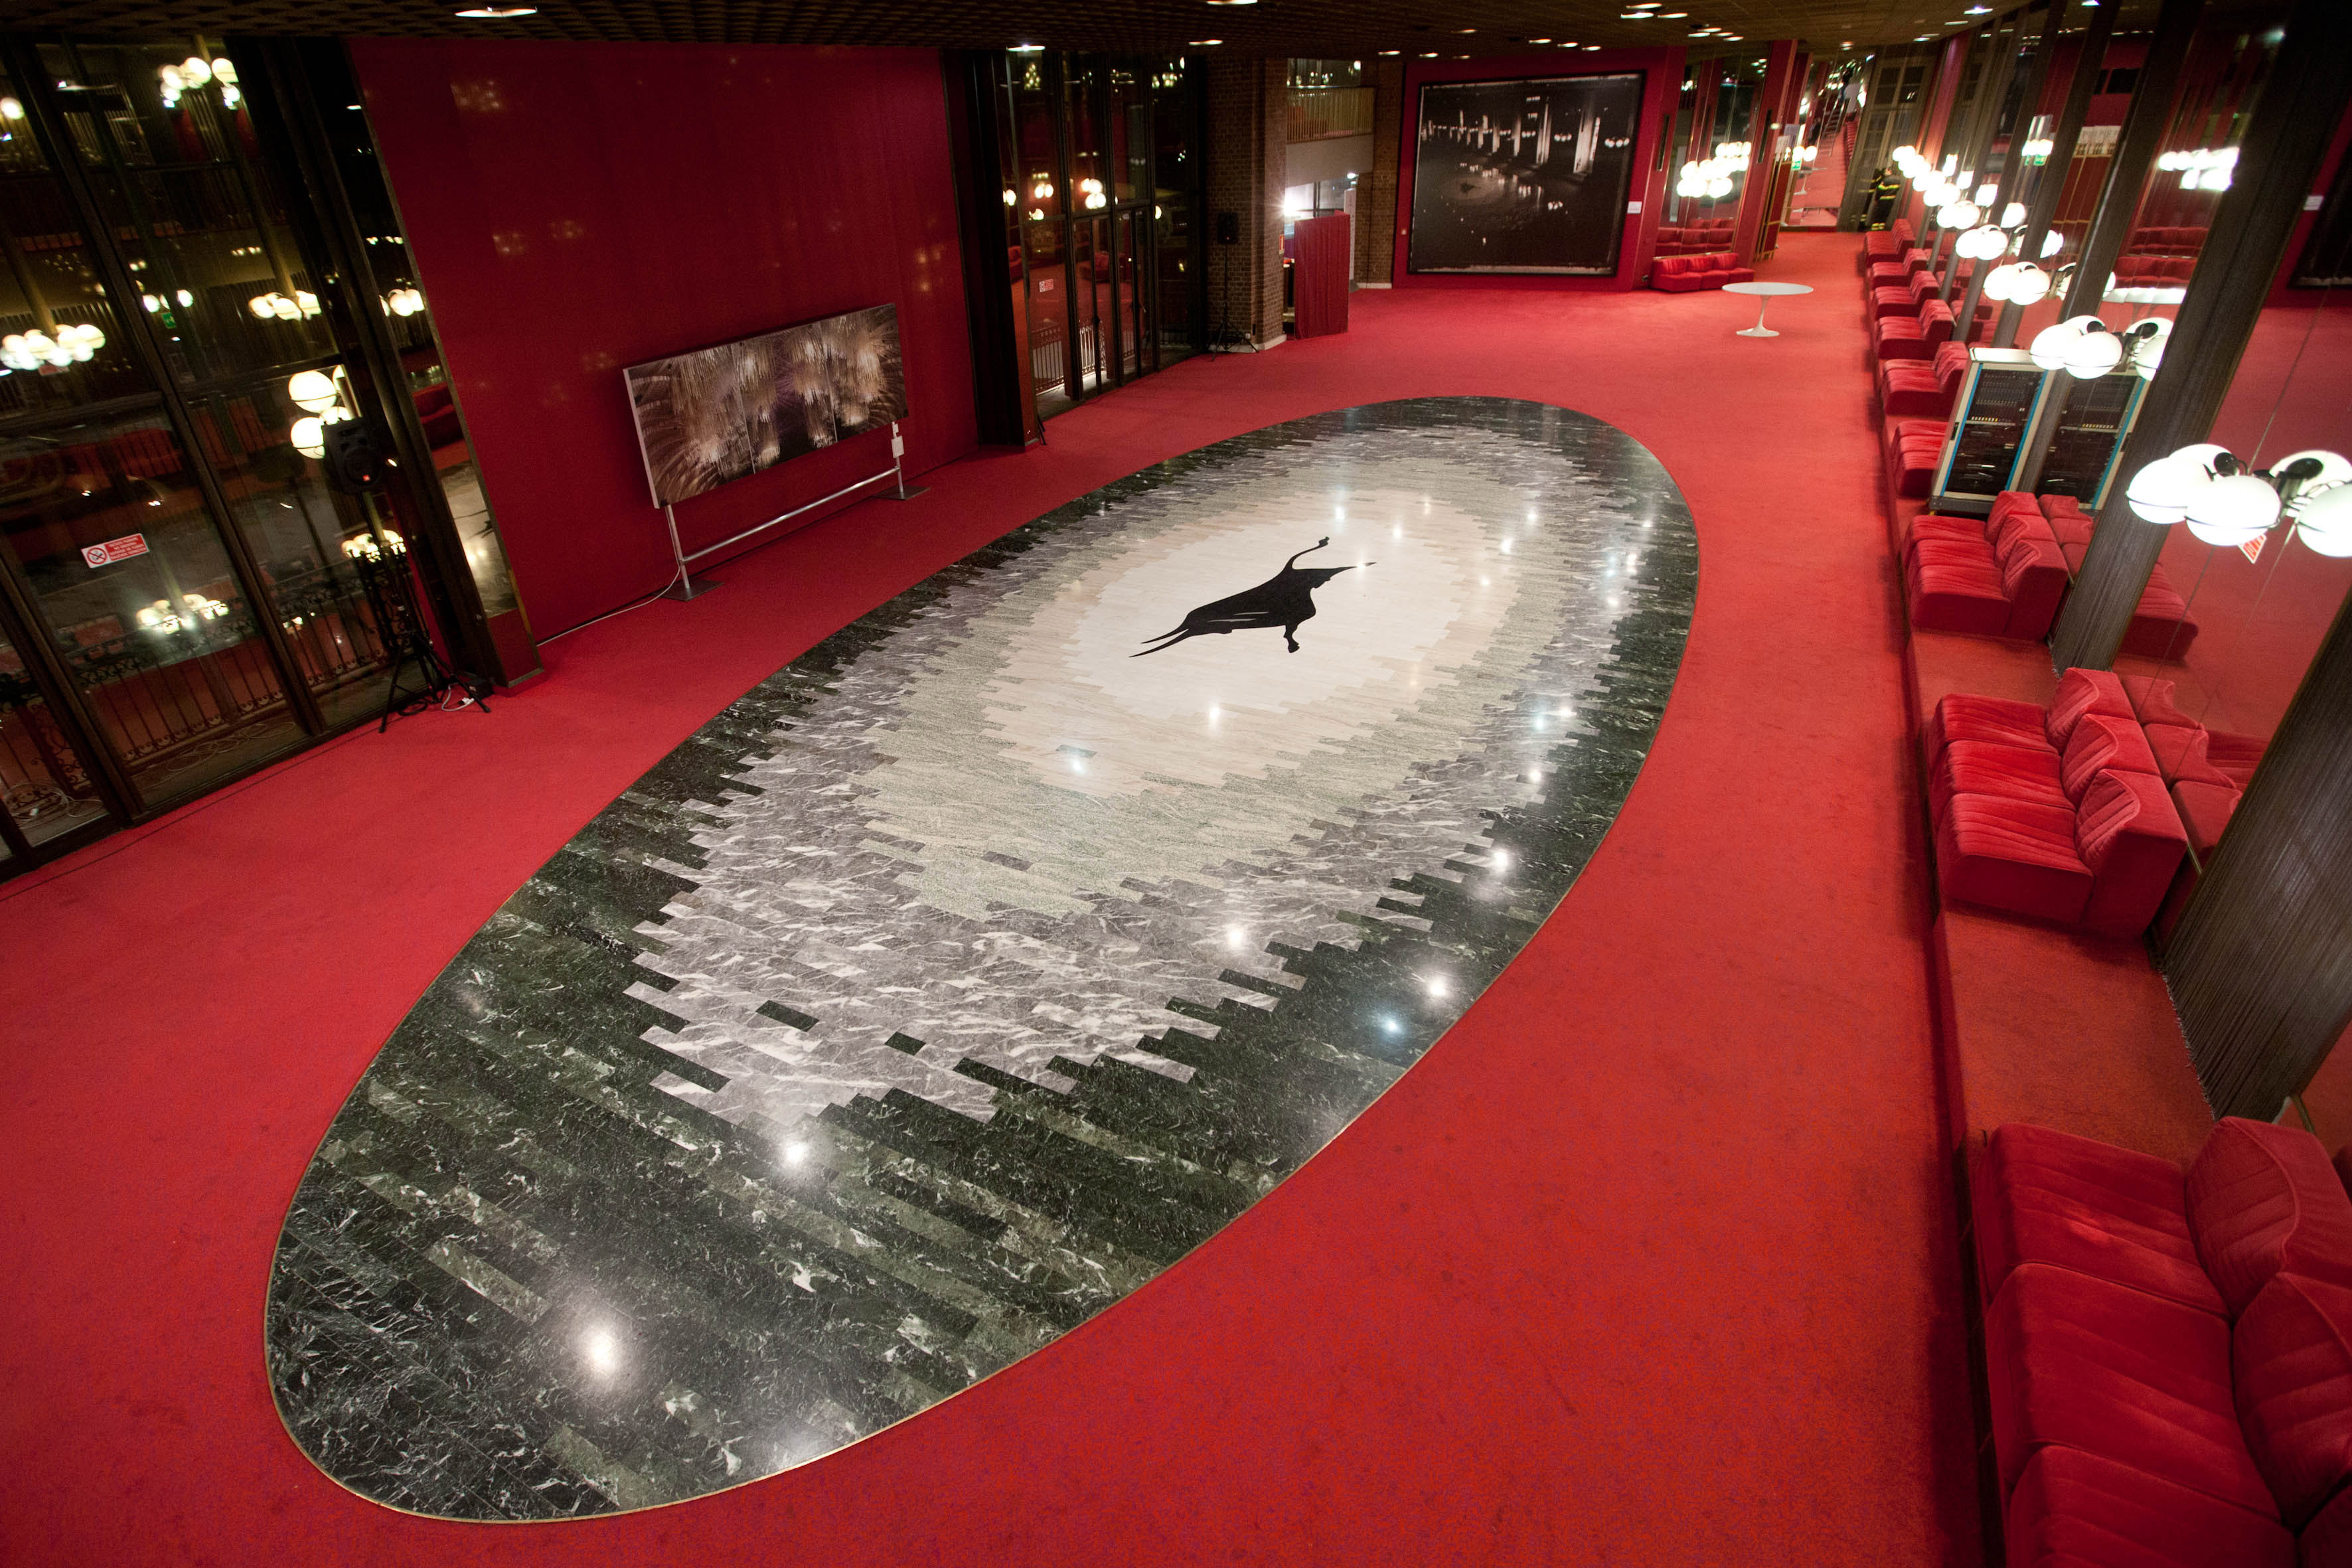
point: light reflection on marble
(970, 970)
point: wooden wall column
(2260, 963)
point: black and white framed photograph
(1525, 175)
(715, 414)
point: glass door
(49, 792)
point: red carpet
(1649, 1262)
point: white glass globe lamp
(2012, 214)
(311, 390)
(2029, 285)
(2148, 338)
(2050, 345)
(2159, 492)
(2052, 242)
(2324, 521)
(2335, 468)
(308, 435)
(1996, 281)
(1959, 214)
(2092, 354)
(2232, 511)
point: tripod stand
(383, 572)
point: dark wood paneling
(2261, 964)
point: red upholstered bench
(1912, 337)
(1684, 274)
(1903, 298)
(1913, 447)
(2001, 577)
(2169, 1355)
(1887, 244)
(1881, 274)
(2098, 851)
(1911, 389)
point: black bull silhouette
(1286, 600)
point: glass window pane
(1173, 217)
(178, 172)
(1085, 136)
(47, 789)
(1049, 315)
(295, 527)
(1131, 129)
(136, 588)
(59, 342)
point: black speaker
(356, 459)
(1229, 228)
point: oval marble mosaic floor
(982, 961)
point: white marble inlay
(1003, 836)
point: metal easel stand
(688, 586)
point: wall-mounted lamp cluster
(1090, 192)
(363, 546)
(155, 302)
(265, 306)
(404, 301)
(2085, 346)
(161, 618)
(194, 72)
(321, 399)
(2206, 169)
(74, 345)
(2225, 503)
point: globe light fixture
(1959, 214)
(2050, 345)
(2092, 350)
(1981, 244)
(310, 435)
(2324, 521)
(2013, 216)
(2159, 492)
(2233, 510)
(311, 390)
(2148, 338)
(2017, 283)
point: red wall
(1662, 87)
(576, 208)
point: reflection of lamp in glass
(312, 390)
(2094, 351)
(404, 301)
(2324, 521)
(1981, 244)
(1958, 214)
(310, 435)
(2017, 283)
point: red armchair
(2169, 1355)
(2098, 851)
(1916, 389)
(1686, 274)
(1912, 337)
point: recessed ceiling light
(1980, 10)
(1539, 40)
(1028, 48)
(1391, 51)
(496, 13)
(1465, 29)
(1233, 1)
(1204, 43)
(1430, 56)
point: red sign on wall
(2253, 548)
(115, 550)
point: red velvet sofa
(1694, 239)
(1687, 274)
(2058, 813)
(1912, 337)
(2002, 576)
(2165, 242)
(2168, 1355)
(1923, 389)
(1894, 269)
(1889, 242)
(1903, 298)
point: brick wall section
(1249, 108)
(1376, 193)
